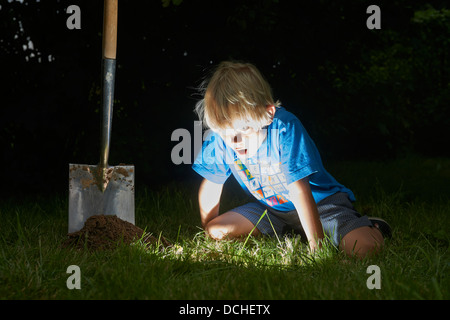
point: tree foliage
(360, 93)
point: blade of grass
(251, 232)
(273, 228)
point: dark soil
(106, 232)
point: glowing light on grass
(285, 253)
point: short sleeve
(299, 155)
(210, 162)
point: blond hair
(236, 91)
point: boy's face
(243, 138)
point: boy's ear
(271, 111)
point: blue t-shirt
(287, 154)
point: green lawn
(412, 194)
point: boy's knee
(360, 247)
(369, 247)
(363, 244)
(216, 231)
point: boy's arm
(208, 199)
(302, 198)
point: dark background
(362, 94)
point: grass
(412, 194)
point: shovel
(103, 189)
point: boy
(271, 155)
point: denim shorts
(336, 212)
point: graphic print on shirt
(264, 180)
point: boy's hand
(315, 247)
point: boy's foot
(382, 225)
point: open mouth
(241, 152)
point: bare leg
(230, 225)
(362, 242)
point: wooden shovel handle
(110, 29)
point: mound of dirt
(106, 231)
